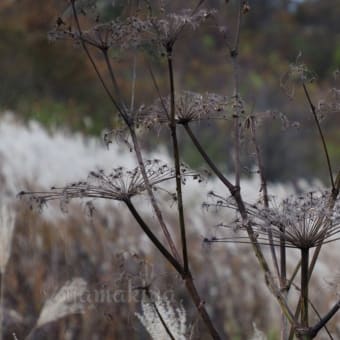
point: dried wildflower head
(120, 34)
(132, 31)
(189, 107)
(164, 31)
(303, 222)
(119, 185)
(297, 74)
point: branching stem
(324, 145)
(173, 130)
(154, 238)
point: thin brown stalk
(126, 119)
(113, 79)
(320, 321)
(323, 321)
(238, 107)
(101, 79)
(154, 238)
(264, 191)
(295, 272)
(158, 91)
(208, 160)
(200, 305)
(154, 305)
(332, 200)
(236, 96)
(133, 85)
(151, 195)
(173, 129)
(2, 309)
(324, 145)
(304, 287)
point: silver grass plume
(65, 302)
(7, 224)
(158, 314)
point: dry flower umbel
(189, 107)
(302, 222)
(119, 185)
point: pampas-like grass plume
(65, 302)
(7, 222)
(161, 319)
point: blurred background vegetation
(54, 84)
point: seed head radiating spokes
(165, 30)
(120, 33)
(303, 222)
(134, 31)
(190, 107)
(120, 185)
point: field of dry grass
(107, 250)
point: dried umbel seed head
(120, 184)
(297, 74)
(189, 107)
(165, 31)
(133, 31)
(120, 34)
(303, 222)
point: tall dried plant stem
(238, 106)
(207, 159)
(173, 130)
(235, 192)
(264, 191)
(2, 282)
(238, 110)
(322, 138)
(154, 238)
(304, 286)
(334, 194)
(154, 305)
(151, 195)
(200, 305)
(189, 282)
(174, 257)
(282, 271)
(332, 199)
(120, 108)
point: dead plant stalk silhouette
(302, 223)
(174, 258)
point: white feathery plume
(65, 302)
(173, 317)
(7, 223)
